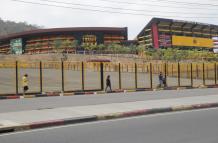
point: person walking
(160, 79)
(25, 82)
(108, 84)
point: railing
(85, 76)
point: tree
(140, 50)
(169, 54)
(157, 54)
(132, 49)
(58, 46)
(69, 44)
(75, 45)
(87, 47)
(101, 48)
(125, 50)
(8, 27)
(114, 47)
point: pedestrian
(160, 79)
(164, 82)
(108, 83)
(25, 82)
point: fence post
(203, 74)
(102, 75)
(62, 75)
(216, 70)
(151, 82)
(136, 78)
(40, 74)
(165, 71)
(179, 75)
(207, 72)
(191, 75)
(16, 69)
(215, 73)
(187, 70)
(120, 86)
(82, 73)
(172, 70)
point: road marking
(105, 121)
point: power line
(188, 3)
(116, 8)
(134, 3)
(103, 11)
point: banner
(192, 41)
(16, 46)
(215, 42)
(165, 40)
(155, 36)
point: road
(80, 100)
(180, 127)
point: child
(25, 83)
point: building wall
(167, 33)
(44, 43)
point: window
(89, 40)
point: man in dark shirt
(160, 79)
(108, 83)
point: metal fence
(86, 76)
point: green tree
(69, 44)
(140, 49)
(169, 54)
(133, 49)
(114, 47)
(157, 54)
(125, 50)
(89, 47)
(58, 46)
(75, 44)
(101, 48)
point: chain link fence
(90, 76)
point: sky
(107, 13)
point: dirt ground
(52, 80)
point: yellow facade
(192, 41)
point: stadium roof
(182, 23)
(62, 30)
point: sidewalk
(24, 120)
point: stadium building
(168, 33)
(158, 33)
(42, 40)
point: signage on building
(16, 46)
(165, 40)
(192, 41)
(215, 44)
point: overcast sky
(79, 13)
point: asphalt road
(80, 100)
(181, 127)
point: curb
(93, 118)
